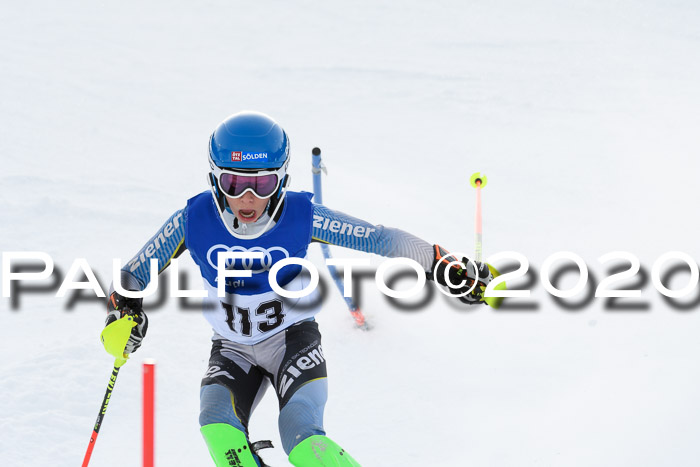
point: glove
(461, 279)
(119, 307)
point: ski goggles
(236, 184)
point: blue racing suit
(259, 337)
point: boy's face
(248, 208)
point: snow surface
(584, 116)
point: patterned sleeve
(337, 228)
(166, 244)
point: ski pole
(103, 410)
(114, 338)
(316, 168)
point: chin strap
(270, 221)
(273, 214)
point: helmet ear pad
(278, 197)
(218, 195)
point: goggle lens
(235, 185)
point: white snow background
(584, 116)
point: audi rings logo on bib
(270, 256)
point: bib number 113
(238, 319)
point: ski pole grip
(115, 336)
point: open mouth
(247, 213)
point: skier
(259, 337)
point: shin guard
(320, 451)
(228, 446)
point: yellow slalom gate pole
(478, 181)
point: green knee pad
(320, 451)
(228, 446)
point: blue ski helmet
(249, 141)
